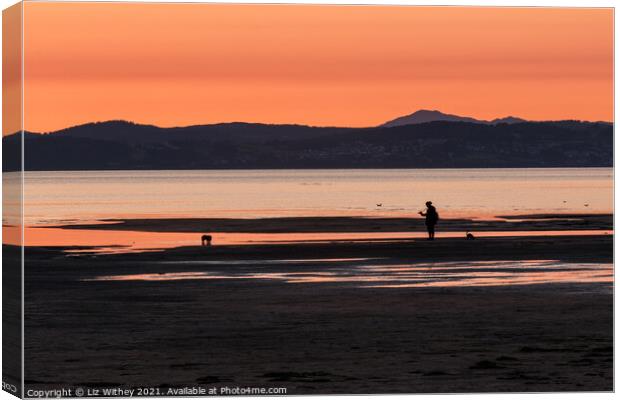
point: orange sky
(182, 64)
(11, 70)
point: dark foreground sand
(318, 338)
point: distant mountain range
(423, 116)
(424, 139)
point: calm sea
(53, 197)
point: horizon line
(132, 122)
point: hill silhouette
(423, 116)
(116, 145)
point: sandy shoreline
(563, 248)
(318, 337)
(535, 222)
(140, 235)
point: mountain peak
(422, 116)
(427, 112)
(508, 120)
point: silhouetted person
(206, 239)
(431, 219)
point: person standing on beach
(431, 219)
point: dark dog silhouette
(206, 239)
(469, 235)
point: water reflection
(374, 275)
(111, 241)
(85, 195)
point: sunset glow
(184, 64)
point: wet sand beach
(131, 235)
(350, 224)
(388, 316)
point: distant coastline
(446, 141)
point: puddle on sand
(444, 274)
(263, 262)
